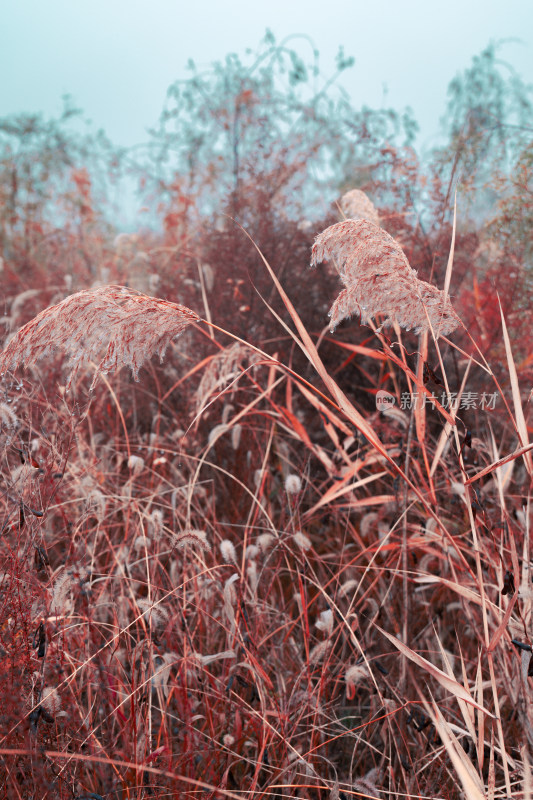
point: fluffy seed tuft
(135, 465)
(303, 541)
(50, 700)
(293, 484)
(227, 551)
(325, 623)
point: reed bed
(242, 578)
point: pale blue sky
(118, 57)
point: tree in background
(271, 124)
(489, 127)
(268, 142)
(487, 159)
(55, 179)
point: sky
(116, 58)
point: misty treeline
(269, 143)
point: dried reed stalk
(379, 280)
(112, 326)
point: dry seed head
(319, 651)
(95, 504)
(252, 551)
(253, 578)
(227, 551)
(156, 613)
(366, 787)
(356, 205)
(142, 543)
(193, 538)
(379, 280)
(347, 587)
(303, 541)
(8, 418)
(140, 744)
(236, 432)
(135, 465)
(325, 622)
(23, 477)
(216, 432)
(122, 609)
(390, 705)
(155, 522)
(431, 525)
(50, 700)
(111, 325)
(230, 598)
(209, 276)
(227, 411)
(383, 530)
(334, 792)
(223, 368)
(353, 622)
(293, 755)
(424, 563)
(121, 560)
(456, 487)
(367, 522)
(265, 541)
(396, 414)
(60, 591)
(355, 675)
(372, 607)
(293, 484)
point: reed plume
(111, 326)
(223, 367)
(355, 204)
(379, 280)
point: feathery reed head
(110, 325)
(379, 280)
(356, 205)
